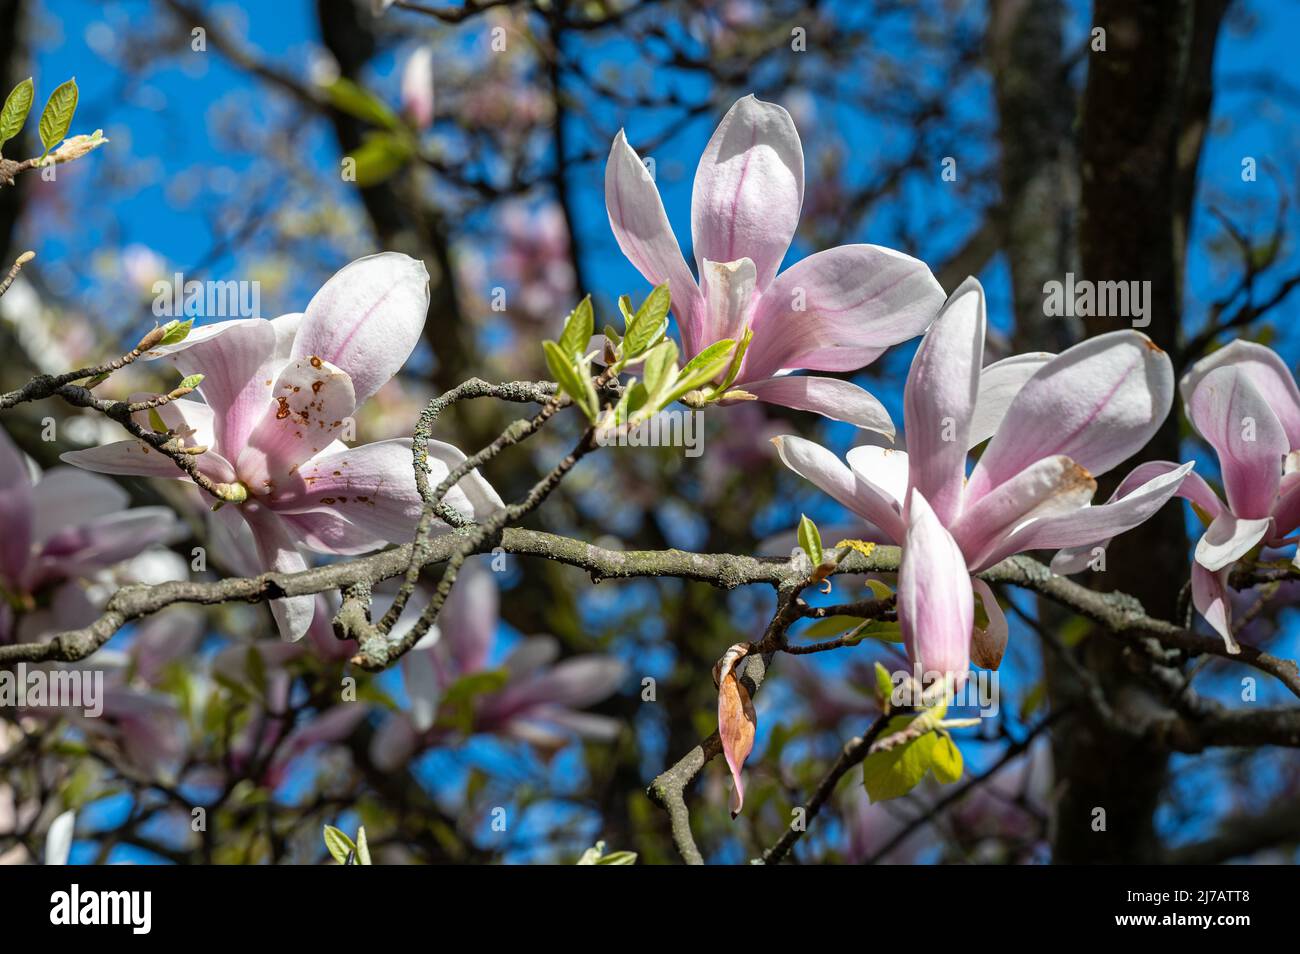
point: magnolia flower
(1055, 422)
(538, 702)
(836, 310)
(1243, 400)
(60, 527)
(278, 395)
(417, 87)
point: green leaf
(570, 381)
(339, 845)
(702, 369)
(618, 858)
(895, 772)
(830, 626)
(191, 381)
(884, 686)
(363, 847)
(177, 331)
(578, 329)
(379, 157)
(945, 759)
(57, 116)
(346, 96)
(255, 667)
(879, 590)
(17, 105)
(810, 539)
(156, 422)
(647, 325)
(887, 630)
(660, 370)
(457, 707)
(737, 357)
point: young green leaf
(737, 357)
(702, 369)
(647, 325)
(945, 759)
(618, 858)
(339, 845)
(894, 772)
(17, 105)
(566, 375)
(578, 329)
(176, 332)
(810, 539)
(346, 96)
(380, 156)
(660, 370)
(884, 687)
(191, 381)
(57, 116)
(363, 847)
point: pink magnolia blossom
(417, 87)
(60, 527)
(538, 703)
(278, 395)
(1055, 422)
(1243, 400)
(836, 310)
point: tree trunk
(1145, 110)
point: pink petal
(469, 619)
(417, 87)
(125, 458)
(1000, 382)
(278, 552)
(1194, 488)
(989, 644)
(748, 188)
(815, 463)
(423, 682)
(939, 399)
(836, 310)
(1266, 371)
(936, 606)
(68, 497)
(882, 467)
(1053, 485)
(373, 488)
(1097, 403)
(323, 531)
(90, 547)
(1089, 524)
(829, 397)
(728, 288)
(312, 400)
(1228, 538)
(1238, 422)
(236, 359)
(367, 319)
(636, 214)
(1286, 510)
(1210, 597)
(192, 420)
(394, 743)
(15, 510)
